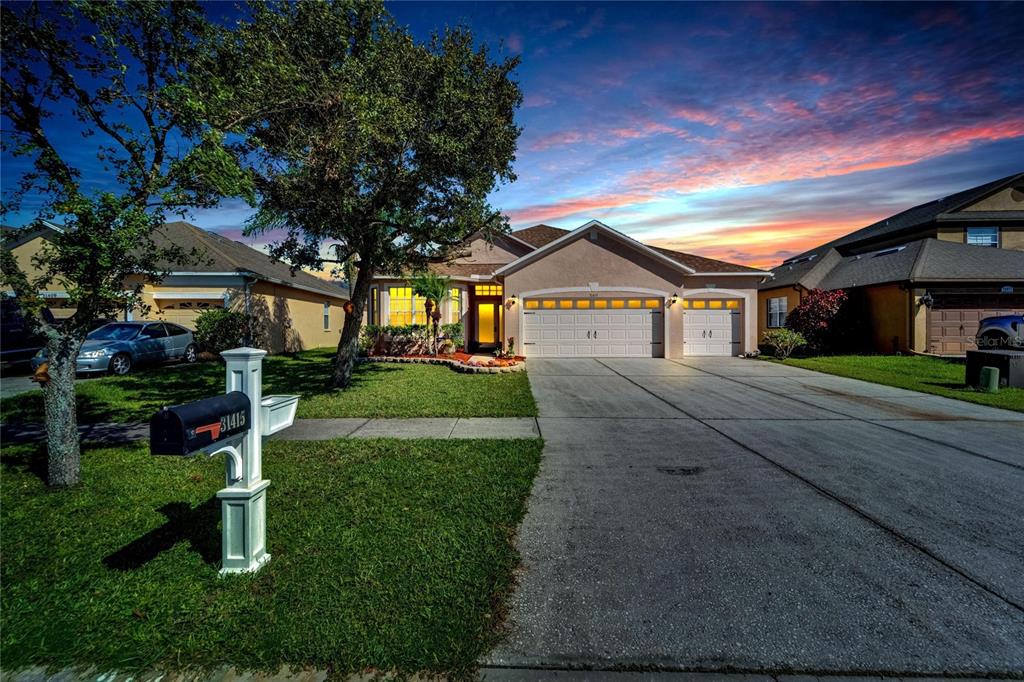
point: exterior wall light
(672, 301)
(510, 301)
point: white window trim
(967, 235)
(783, 311)
(327, 316)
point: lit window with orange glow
(601, 303)
(652, 303)
(583, 303)
(618, 303)
(732, 304)
(532, 305)
(565, 304)
(715, 305)
(634, 303)
(699, 304)
(548, 304)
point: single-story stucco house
(923, 278)
(588, 292)
(293, 311)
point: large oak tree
(117, 73)
(367, 145)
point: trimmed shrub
(219, 330)
(410, 339)
(782, 342)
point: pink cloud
(514, 42)
(694, 114)
(557, 139)
(820, 78)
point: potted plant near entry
(433, 289)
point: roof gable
(580, 233)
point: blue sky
(746, 132)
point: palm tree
(433, 289)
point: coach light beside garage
(233, 425)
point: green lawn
(915, 372)
(386, 554)
(378, 390)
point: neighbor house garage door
(604, 328)
(711, 327)
(953, 319)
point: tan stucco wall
(950, 234)
(1012, 238)
(918, 322)
(1008, 199)
(618, 270)
(293, 318)
(889, 314)
(792, 301)
(24, 254)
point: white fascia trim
(342, 293)
(745, 273)
(162, 295)
(233, 273)
(594, 224)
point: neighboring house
(293, 311)
(922, 278)
(589, 292)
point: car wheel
(121, 364)
(191, 354)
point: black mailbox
(189, 428)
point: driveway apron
(735, 515)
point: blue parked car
(119, 346)
(1001, 332)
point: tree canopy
(118, 72)
(364, 142)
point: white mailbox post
(244, 497)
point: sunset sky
(746, 132)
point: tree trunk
(348, 345)
(64, 456)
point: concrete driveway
(737, 515)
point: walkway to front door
(718, 513)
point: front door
(487, 324)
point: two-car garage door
(594, 333)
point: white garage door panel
(613, 333)
(712, 332)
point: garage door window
(592, 303)
(710, 304)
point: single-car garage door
(593, 328)
(711, 327)
(953, 319)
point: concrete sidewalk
(314, 429)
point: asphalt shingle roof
(540, 235)
(927, 212)
(225, 255)
(924, 260)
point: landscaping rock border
(453, 364)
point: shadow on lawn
(137, 396)
(198, 525)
